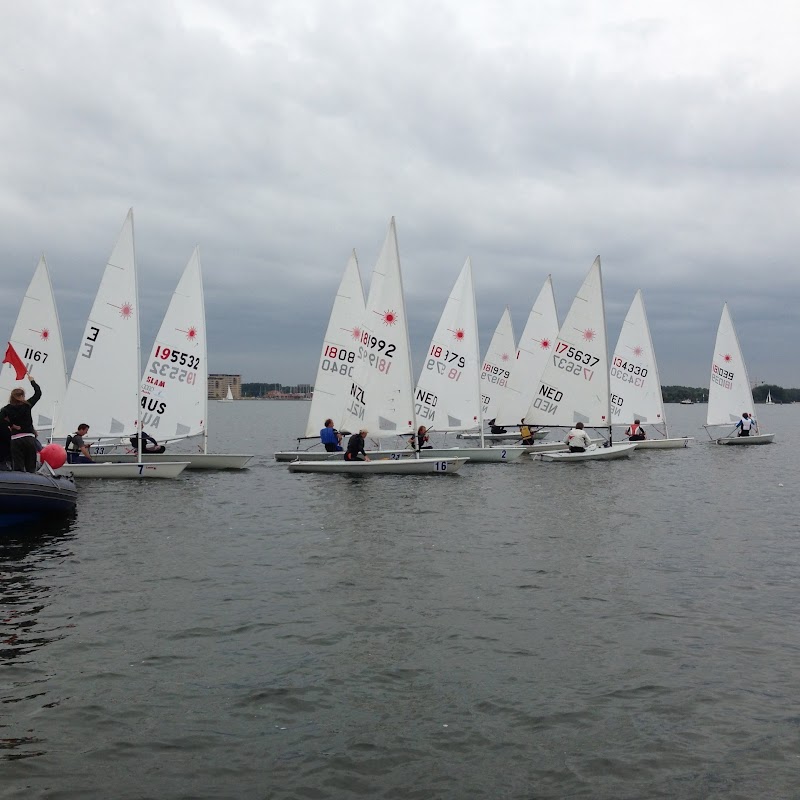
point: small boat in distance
(228, 397)
(687, 402)
(769, 401)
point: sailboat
(381, 388)
(228, 397)
(574, 385)
(448, 393)
(37, 340)
(174, 393)
(635, 383)
(496, 372)
(729, 393)
(103, 390)
(769, 401)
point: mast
(605, 345)
(138, 347)
(478, 354)
(408, 340)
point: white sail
(447, 397)
(37, 340)
(535, 346)
(229, 395)
(381, 392)
(729, 393)
(635, 384)
(574, 386)
(496, 366)
(103, 389)
(337, 360)
(174, 385)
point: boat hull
(194, 460)
(403, 466)
(502, 437)
(32, 493)
(323, 455)
(124, 471)
(664, 444)
(596, 454)
(479, 455)
(760, 438)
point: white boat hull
(594, 453)
(759, 438)
(482, 455)
(323, 455)
(511, 436)
(664, 444)
(194, 460)
(402, 466)
(126, 471)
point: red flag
(15, 361)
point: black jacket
(19, 414)
(356, 445)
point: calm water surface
(528, 630)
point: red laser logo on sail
(545, 344)
(458, 334)
(588, 335)
(125, 310)
(389, 317)
(44, 334)
(637, 351)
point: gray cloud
(279, 136)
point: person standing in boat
(355, 447)
(525, 433)
(635, 432)
(420, 439)
(17, 414)
(77, 449)
(330, 437)
(745, 424)
(5, 446)
(577, 439)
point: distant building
(218, 386)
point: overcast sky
(529, 135)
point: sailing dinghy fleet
(555, 378)
(106, 388)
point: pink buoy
(54, 455)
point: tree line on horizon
(671, 394)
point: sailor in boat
(420, 439)
(525, 433)
(577, 439)
(745, 424)
(635, 432)
(496, 428)
(78, 449)
(330, 437)
(355, 447)
(149, 444)
(18, 417)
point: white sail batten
(447, 397)
(533, 352)
(574, 385)
(174, 385)
(634, 379)
(496, 366)
(103, 390)
(729, 392)
(381, 395)
(337, 362)
(37, 340)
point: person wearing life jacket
(525, 433)
(745, 424)
(635, 432)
